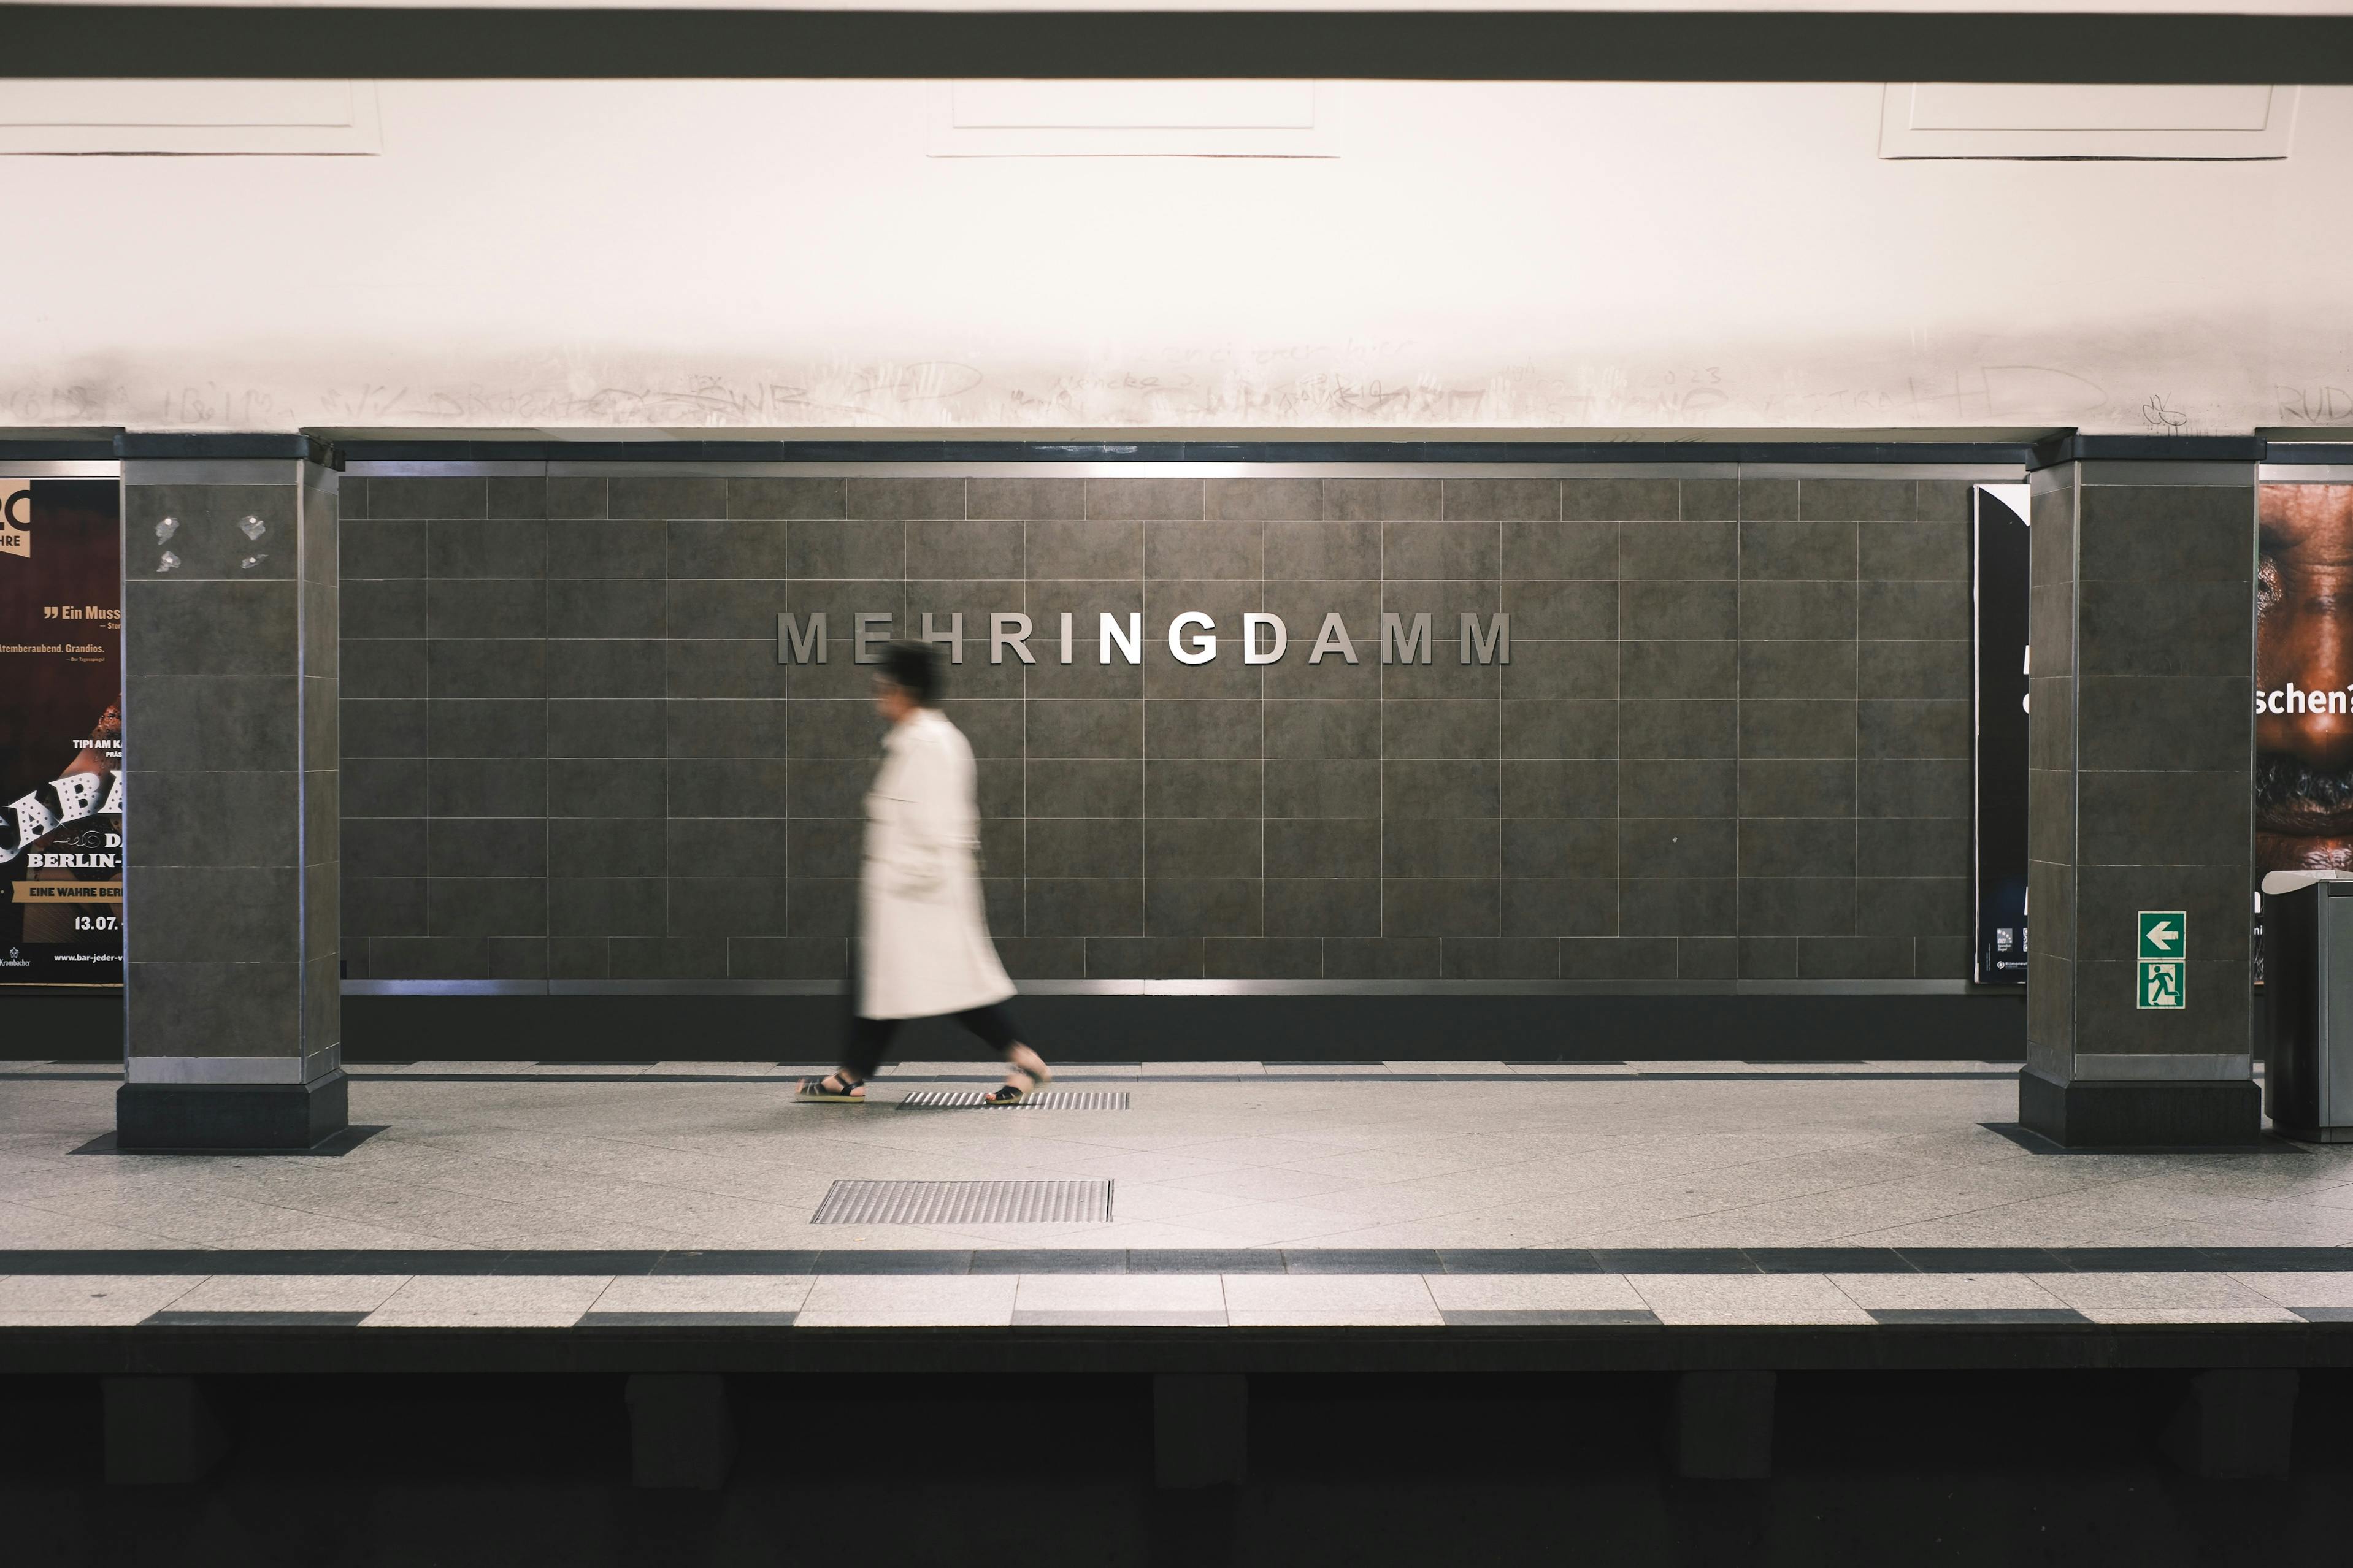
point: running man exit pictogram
(2164, 946)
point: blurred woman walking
(923, 936)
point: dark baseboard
(217, 1116)
(2151, 1113)
(1885, 1028)
(1205, 1028)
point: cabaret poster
(61, 732)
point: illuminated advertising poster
(2304, 680)
(1998, 858)
(61, 732)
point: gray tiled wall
(1732, 740)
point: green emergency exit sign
(2164, 947)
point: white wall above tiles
(686, 255)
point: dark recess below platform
(1127, 1028)
(1496, 1472)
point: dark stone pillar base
(169, 1117)
(2152, 1113)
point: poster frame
(81, 468)
(1998, 608)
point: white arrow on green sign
(2164, 933)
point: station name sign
(1192, 638)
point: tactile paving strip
(1050, 1100)
(963, 1202)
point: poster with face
(2304, 682)
(61, 732)
(2304, 678)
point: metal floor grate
(963, 1202)
(1050, 1100)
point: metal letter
(1066, 636)
(1131, 641)
(794, 643)
(867, 639)
(1333, 638)
(1204, 648)
(1008, 630)
(1493, 646)
(1251, 625)
(1398, 645)
(953, 636)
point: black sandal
(822, 1090)
(1012, 1094)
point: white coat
(923, 934)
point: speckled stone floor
(1242, 1195)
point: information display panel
(1998, 860)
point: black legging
(870, 1038)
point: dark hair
(914, 668)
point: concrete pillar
(160, 1431)
(1724, 1426)
(2235, 1424)
(1200, 1429)
(233, 999)
(681, 1430)
(2141, 752)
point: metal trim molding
(213, 470)
(445, 988)
(1991, 470)
(2165, 1068)
(452, 468)
(1203, 988)
(61, 468)
(2305, 473)
(228, 1070)
(2095, 472)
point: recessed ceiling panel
(118, 116)
(2062, 120)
